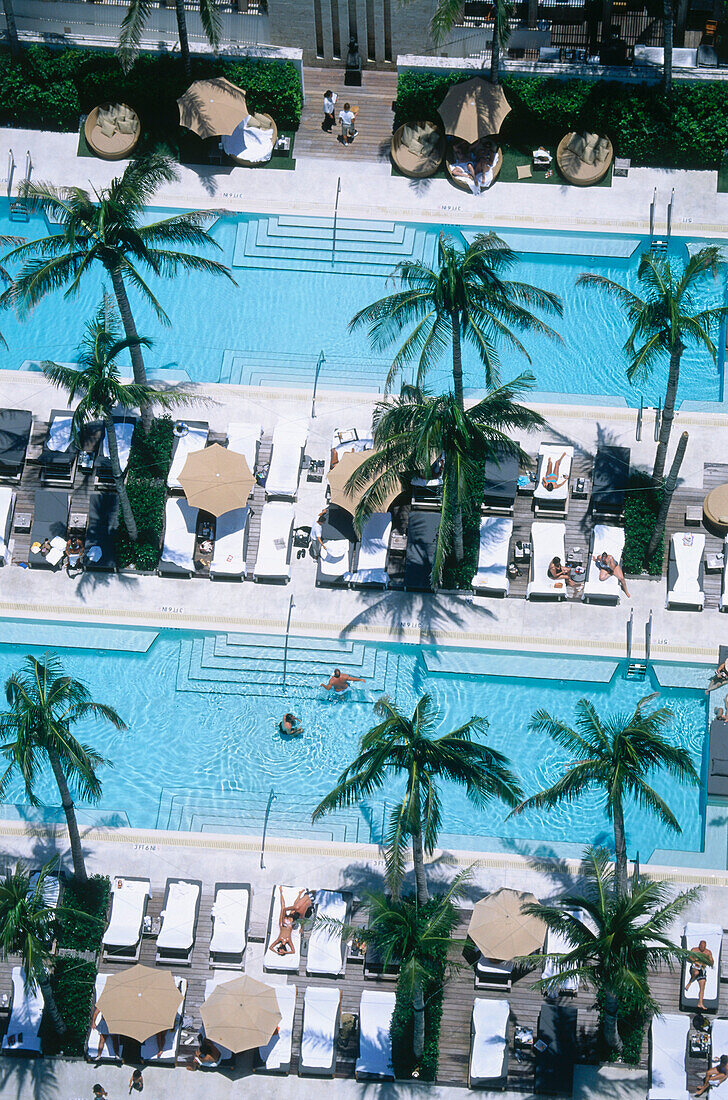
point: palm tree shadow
(404, 612)
(92, 581)
(28, 1080)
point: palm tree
(136, 19)
(406, 748)
(44, 705)
(9, 12)
(664, 321)
(617, 942)
(464, 297)
(448, 14)
(109, 230)
(97, 382)
(614, 755)
(412, 428)
(26, 929)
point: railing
(640, 414)
(652, 213)
(648, 636)
(669, 213)
(336, 214)
(658, 419)
(630, 628)
(291, 605)
(11, 170)
(271, 796)
(319, 364)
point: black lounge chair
(50, 520)
(58, 466)
(103, 463)
(103, 522)
(422, 530)
(501, 483)
(377, 968)
(610, 480)
(15, 429)
(554, 1070)
(718, 758)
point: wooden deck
(374, 121)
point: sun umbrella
(139, 1002)
(241, 1014)
(501, 930)
(212, 107)
(347, 465)
(216, 479)
(474, 109)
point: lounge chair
(668, 1053)
(225, 1055)
(26, 1012)
(272, 961)
(718, 1039)
(418, 148)
(275, 1056)
(231, 545)
(244, 439)
(553, 501)
(427, 491)
(179, 922)
(50, 520)
(488, 1065)
(194, 439)
(685, 571)
(51, 889)
(693, 933)
(718, 759)
(334, 563)
(610, 480)
(103, 523)
(15, 428)
(554, 1070)
(547, 543)
(350, 441)
(166, 1054)
(230, 918)
(60, 449)
(321, 1008)
(493, 974)
(608, 540)
(723, 605)
(557, 945)
(378, 968)
(501, 483)
(123, 935)
(491, 577)
(111, 1050)
(124, 425)
(7, 504)
(289, 442)
(375, 1042)
(422, 532)
(273, 560)
(180, 528)
(326, 947)
(370, 561)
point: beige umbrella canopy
(347, 465)
(241, 1014)
(212, 107)
(216, 479)
(139, 1002)
(500, 930)
(474, 110)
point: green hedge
(72, 983)
(641, 505)
(631, 1023)
(150, 455)
(401, 1028)
(83, 917)
(690, 130)
(149, 461)
(49, 89)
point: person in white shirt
(348, 129)
(329, 108)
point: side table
(77, 522)
(23, 521)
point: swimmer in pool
(289, 723)
(340, 681)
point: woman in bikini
(559, 572)
(608, 567)
(550, 479)
(286, 924)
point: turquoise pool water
(298, 286)
(203, 750)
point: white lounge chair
(180, 526)
(557, 945)
(230, 914)
(491, 577)
(179, 921)
(225, 1055)
(605, 540)
(685, 571)
(493, 974)
(488, 1065)
(693, 933)
(271, 959)
(334, 563)
(123, 935)
(51, 889)
(375, 1042)
(718, 1042)
(275, 1056)
(124, 430)
(326, 949)
(321, 1006)
(370, 566)
(231, 544)
(350, 441)
(724, 578)
(553, 501)
(547, 542)
(273, 561)
(166, 1054)
(194, 439)
(244, 439)
(668, 1052)
(289, 442)
(110, 1049)
(7, 501)
(26, 1013)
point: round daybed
(418, 148)
(257, 121)
(715, 508)
(584, 159)
(462, 185)
(112, 131)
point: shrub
(641, 505)
(403, 1016)
(72, 983)
(631, 1023)
(150, 457)
(83, 917)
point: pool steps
(254, 368)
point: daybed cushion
(178, 917)
(685, 569)
(276, 1054)
(26, 1013)
(326, 945)
(230, 916)
(273, 560)
(554, 1070)
(422, 532)
(112, 1044)
(556, 498)
(244, 439)
(713, 935)
(320, 1020)
(15, 429)
(231, 537)
(489, 1043)
(170, 1038)
(334, 562)
(375, 1042)
(289, 440)
(668, 1051)
(272, 960)
(194, 439)
(128, 903)
(180, 526)
(610, 540)
(547, 542)
(495, 540)
(371, 561)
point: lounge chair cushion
(602, 150)
(106, 126)
(589, 155)
(577, 145)
(719, 767)
(128, 902)
(178, 918)
(127, 126)
(412, 140)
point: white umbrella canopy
(474, 109)
(500, 930)
(241, 1014)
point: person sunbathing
(720, 676)
(559, 572)
(206, 1054)
(700, 958)
(721, 713)
(286, 924)
(550, 479)
(714, 1076)
(608, 567)
(301, 907)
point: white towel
(59, 433)
(248, 143)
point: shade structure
(212, 107)
(216, 479)
(347, 465)
(500, 930)
(474, 110)
(139, 1002)
(241, 1014)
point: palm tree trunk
(418, 860)
(611, 1031)
(12, 28)
(184, 43)
(495, 55)
(669, 489)
(667, 45)
(668, 413)
(129, 521)
(457, 359)
(418, 1021)
(79, 866)
(130, 331)
(50, 1002)
(458, 543)
(620, 851)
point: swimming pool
(203, 750)
(299, 285)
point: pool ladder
(637, 669)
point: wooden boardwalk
(374, 121)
